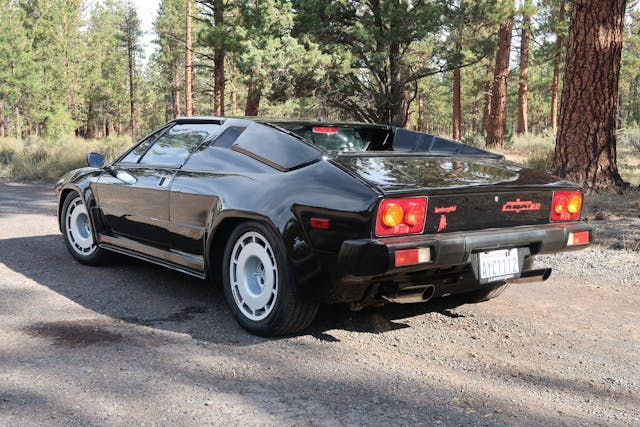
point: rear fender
(288, 231)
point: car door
(135, 197)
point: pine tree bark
(218, 63)
(253, 100)
(188, 65)
(2, 120)
(132, 114)
(486, 112)
(176, 93)
(523, 87)
(495, 128)
(556, 72)
(586, 142)
(457, 104)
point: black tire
(258, 284)
(77, 231)
(482, 295)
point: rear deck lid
(413, 173)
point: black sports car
(287, 215)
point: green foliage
(59, 123)
(379, 50)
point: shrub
(632, 138)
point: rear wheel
(78, 232)
(481, 295)
(258, 285)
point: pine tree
(586, 141)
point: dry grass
(536, 151)
(629, 156)
(40, 159)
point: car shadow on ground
(134, 291)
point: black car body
(319, 212)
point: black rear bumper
(376, 257)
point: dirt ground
(132, 343)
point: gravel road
(132, 343)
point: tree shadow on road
(139, 292)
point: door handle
(164, 181)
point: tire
(258, 284)
(77, 231)
(482, 295)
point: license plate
(499, 265)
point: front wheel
(258, 284)
(78, 232)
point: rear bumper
(375, 257)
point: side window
(174, 146)
(134, 155)
(228, 137)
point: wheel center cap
(260, 276)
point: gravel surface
(132, 343)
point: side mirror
(95, 160)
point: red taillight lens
(566, 206)
(324, 129)
(401, 216)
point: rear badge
(518, 206)
(445, 209)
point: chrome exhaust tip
(412, 295)
(539, 275)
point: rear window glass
(349, 139)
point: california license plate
(499, 265)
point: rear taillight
(401, 216)
(566, 206)
(324, 129)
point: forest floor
(133, 343)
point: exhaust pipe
(412, 295)
(529, 276)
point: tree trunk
(234, 100)
(495, 129)
(253, 100)
(556, 72)
(218, 63)
(2, 125)
(188, 66)
(456, 101)
(176, 93)
(132, 117)
(486, 113)
(419, 125)
(523, 87)
(586, 141)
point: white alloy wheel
(253, 276)
(78, 228)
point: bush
(632, 138)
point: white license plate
(499, 265)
